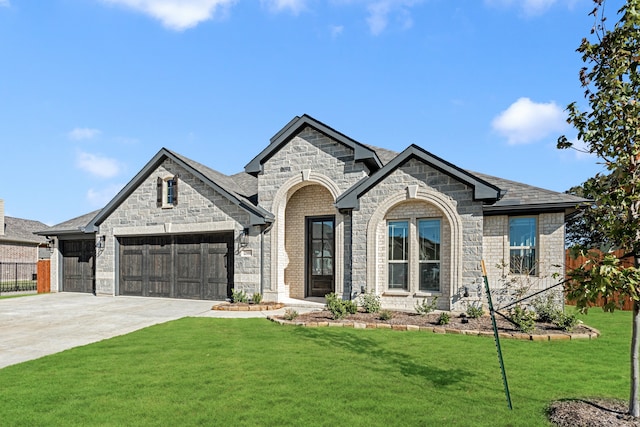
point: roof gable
(221, 183)
(482, 190)
(362, 153)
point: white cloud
(526, 121)
(529, 7)
(294, 6)
(99, 198)
(177, 14)
(336, 30)
(103, 167)
(380, 11)
(78, 134)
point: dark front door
(320, 255)
(78, 258)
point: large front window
(414, 255)
(522, 245)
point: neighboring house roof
(362, 153)
(482, 190)
(73, 226)
(22, 231)
(221, 183)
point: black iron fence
(18, 276)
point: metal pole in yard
(496, 336)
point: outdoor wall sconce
(100, 242)
(244, 238)
(466, 292)
(50, 243)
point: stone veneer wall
(451, 195)
(310, 200)
(550, 250)
(312, 158)
(200, 209)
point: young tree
(610, 128)
(582, 230)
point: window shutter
(175, 190)
(159, 193)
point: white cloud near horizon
(177, 15)
(79, 134)
(100, 166)
(526, 121)
(99, 198)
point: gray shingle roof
(21, 230)
(74, 225)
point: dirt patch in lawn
(460, 325)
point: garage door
(78, 257)
(191, 266)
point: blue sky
(90, 90)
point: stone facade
(311, 170)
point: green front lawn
(232, 372)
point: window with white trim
(414, 255)
(523, 237)
(398, 255)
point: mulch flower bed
(404, 321)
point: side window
(523, 237)
(167, 192)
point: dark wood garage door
(192, 266)
(78, 257)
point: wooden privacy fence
(44, 276)
(571, 263)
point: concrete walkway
(35, 326)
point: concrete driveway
(35, 326)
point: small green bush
(238, 296)
(524, 318)
(566, 322)
(425, 307)
(546, 308)
(256, 298)
(385, 315)
(475, 311)
(336, 306)
(444, 318)
(370, 302)
(351, 306)
(290, 314)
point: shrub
(290, 314)
(385, 315)
(336, 306)
(566, 322)
(350, 306)
(256, 298)
(444, 318)
(425, 307)
(475, 311)
(370, 303)
(523, 318)
(238, 296)
(546, 308)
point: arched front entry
(307, 249)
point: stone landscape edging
(249, 307)
(594, 333)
